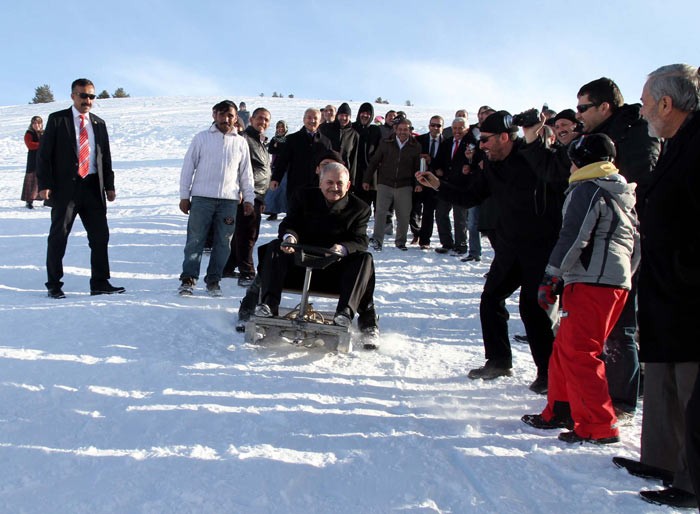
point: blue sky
(507, 54)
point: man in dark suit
(425, 198)
(300, 154)
(449, 165)
(74, 169)
(329, 217)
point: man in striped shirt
(216, 173)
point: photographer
(553, 163)
(527, 228)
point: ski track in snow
(147, 402)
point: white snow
(150, 403)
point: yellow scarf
(595, 170)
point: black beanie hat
(344, 109)
(498, 122)
(591, 148)
(329, 154)
(566, 114)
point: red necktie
(83, 149)
(454, 150)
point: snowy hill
(150, 403)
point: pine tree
(120, 93)
(43, 95)
(104, 94)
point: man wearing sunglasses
(529, 218)
(74, 169)
(602, 109)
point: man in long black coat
(669, 279)
(300, 155)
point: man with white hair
(326, 216)
(668, 286)
(300, 154)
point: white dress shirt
(91, 137)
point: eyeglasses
(584, 107)
(436, 125)
(86, 95)
(485, 139)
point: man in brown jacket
(395, 162)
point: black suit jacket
(452, 166)
(424, 140)
(57, 162)
(312, 221)
(298, 160)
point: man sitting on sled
(330, 217)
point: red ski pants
(576, 373)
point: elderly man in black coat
(329, 217)
(669, 279)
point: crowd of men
(556, 204)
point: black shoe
(470, 258)
(370, 338)
(520, 338)
(624, 418)
(214, 290)
(105, 288)
(29, 205)
(458, 251)
(672, 497)
(539, 386)
(443, 249)
(572, 438)
(367, 319)
(402, 248)
(56, 293)
(246, 279)
(638, 469)
(489, 372)
(537, 421)
(375, 244)
(263, 311)
(343, 317)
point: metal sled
(303, 325)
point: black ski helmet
(590, 148)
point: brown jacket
(395, 167)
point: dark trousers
(621, 359)
(692, 436)
(88, 204)
(423, 215)
(244, 238)
(668, 387)
(509, 270)
(369, 197)
(444, 225)
(352, 278)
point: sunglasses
(584, 107)
(485, 139)
(436, 125)
(86, 95)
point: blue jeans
(205, 213)
(473, 230)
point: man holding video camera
(527, 228)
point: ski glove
(550, 288)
